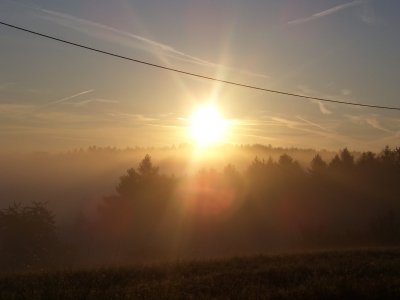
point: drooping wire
(197, 75)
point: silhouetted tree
(264, 205)
(335, 163)
(318, 167)
(233, 177)
(343, 163)
(129, 184)
(367, 161)
(367, 166)
(287, 163)
(134, 213)
(289, 170)
(285, 160)
(388, 157)
(347, 159)
(256, 168)
(146, 168)
(28, 235)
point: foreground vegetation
(351, 274)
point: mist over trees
(271, 204)
(75, 181)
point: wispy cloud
(376, 124)
(346, 92)
(67, 98)
(322, 107)
(89, 27)
(328, 134)
(371, 120)
(135, 117)
(152, 120)
(85, 102)
(313, 124)
(30, 115)
(326, 12)
(9, 108)
(367, 14)
(41, 91)
(123, 37)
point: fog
(77, 180)
(100, 204)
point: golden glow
(207, 126)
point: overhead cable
(197, 75)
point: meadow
(324, 274)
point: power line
(197, 75)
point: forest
(273, 204)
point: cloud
(29, 114)
(326, 12)
(367, 14)
(368, 119)
(137, 117)
(327, 134)
(109, 33)
(322, 107)
(305, 91)
(151, 120)
(70, 97)
(25, 109)
(74, 119)
(123, 37)
(85, 102)
(6, 108)
(346, 92)
(313, 124)
(41, 91)
(76, 23)
(33, 115)
(376, 124)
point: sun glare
(207, 126)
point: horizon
(191, 146)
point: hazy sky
(57, 97)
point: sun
(207, 126)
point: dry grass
(350, 274)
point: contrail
(326, 12)
(313, 124)
(70, 97)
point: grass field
(350, 274)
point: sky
(56, 97)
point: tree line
(272, 205)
